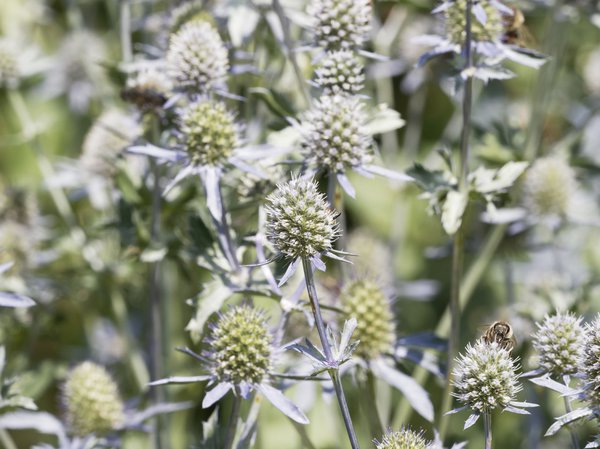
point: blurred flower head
(210, 133)
(485, 377)
(9, 64)
(559, 342)
(455, 22)
(340, 72)
(197, 58)
(404, 438)
(340, 24)
(365, 301)
(92, 401)
(590, 363)
(374, 259)
(148, 88)
(299, 221)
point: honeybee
(515, 31)
(500, 332)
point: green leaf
(487, 181)
(453, 210)
(209, 301)
(429, 180)
(277, 103)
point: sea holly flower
(239, 358)
(404, 438)
(148, 87)
(340, 24)
(340, 72)
(335, 138)
(379, 351)
(487, 42)
(197, 59)
(485, 378)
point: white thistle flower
(197, 58)
(559, 342)
(404, 438)
(341, 24)
(590, 362)
(340, 72)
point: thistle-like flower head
(9, 64)
(92, 400)
(341, 24)
(334, 136)
(240, 346)
(299, 221)
(402, 439)
(365, 301)
(148, 89)
(197, 57)
(485, 377)
(590, 362)
(106, 139)
(210, 133)
(456, 22)
(374, 259)
(340, 72)
(559, 342)
(549, 186)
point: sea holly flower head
(92, 401)
(559, 343)
(485, 378)
(404, 438)
(488, 30)
(340, 72)
(590, 363)
(210, 133)
(197, 58)
(300, 223)
(367, 303)
(148, 88)
(340, 24)
(238, 358)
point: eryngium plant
(549, 187)
(456, 21)
(197, 58)
(210, 133)
(590, 364)
(9, 64)
(340, 24)
(299, 221)
(340, 72)
(92, 401)
(559, 343)
(148, 88)
(365, 301)
(334, 136)
(485, 378)
(402, 439)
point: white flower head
(340, 72)
(341, 24)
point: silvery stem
(487, 429)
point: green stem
(233, 422)
(370, 405)
(334, 373)
(6, 440)
(487, 429)
(573, 433)
(125, 31)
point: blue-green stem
(334, 373)
(234, 418)
(487, 429)
(370, 404)
(573, 433)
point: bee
(500, 332)
(515, 30)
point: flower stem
(574, 436)
(233, 423)
(333, 372)
(459, 237)
(6, 440)
(125, 31)
(487, 429)
(370, 404)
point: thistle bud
(210, 132)
(341, 24)
(299, 221)
(456, 23)
(92, 400)
(240, 346)
(559, 342)
(485, 377)
(334, 133)
(549, 186)
(197, 57)
(366, 302)
(340, 72)
(403, 439)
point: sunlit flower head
(340, 72)
(559, 343)
(340, 24)
(404, 438)
(92, 401)
(590, 362)
(365, 301)
(197, 58)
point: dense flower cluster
(240, 346)
(92, 400)
(559, 342)
(403, 439)
(340, 72)
(299, 221)
(365, 301)
(590, 362)
(485, 378)
(341, 23)
(456, 21)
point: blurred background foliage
(82, 244)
